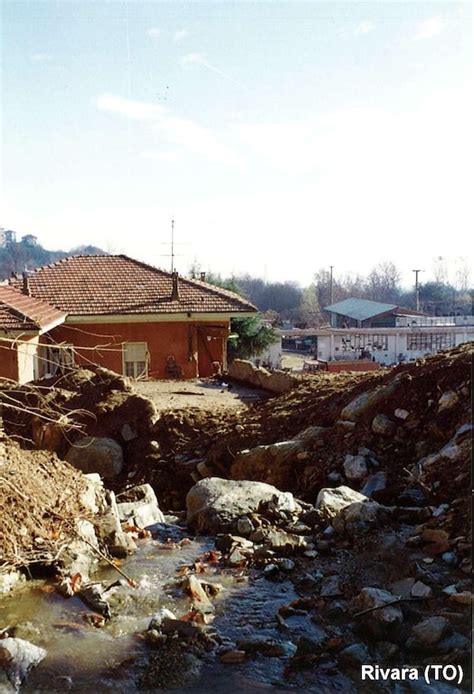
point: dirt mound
(39, 498)
(408, 398)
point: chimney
(175, 289)
(26, 283)
(203, 276)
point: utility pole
(331, 288)
(417, 289)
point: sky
(281, 137)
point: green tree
(250, 338)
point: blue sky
(281, 136)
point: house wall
(188, 343)
(19, 363)
(271, 356)
(28, 359)
(8, 361)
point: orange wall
(8, 361)
(181, 340)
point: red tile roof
(116, 284)
(21, 312)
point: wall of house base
(28, 360)
(8, 361)
(193, 346)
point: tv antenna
(172, 245)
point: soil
(205, 394)
(39, 499)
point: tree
(309, 309)
(252, 337)
(383, 283)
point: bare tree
(440, 270)
(463, 274)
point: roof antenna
(172, 245)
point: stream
(115, 658)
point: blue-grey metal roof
(359, 309)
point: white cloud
(41, 57)
(181, 35)
(181, 131)
(429, 28)
(200, 59)
(364, 28)
(154, 32)
(129, 108)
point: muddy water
(83, 658)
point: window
(59, 359)
(372, 343)
(135, 359)
(430, 342)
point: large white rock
(96, 454)
(20, 656)
(139, 506)
(214, 503)
(330, 502)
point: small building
(7, 237)
(135, 319)
(362, 313)
(24, 321)
(29, 240)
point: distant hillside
(17, 255)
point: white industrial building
(385, 333)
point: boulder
(96, 454)
(78, 557)
(355, 468)
(17, 658)
(213, 504)
(401, 413)
(447, 400)
(374, 484)
(246, 372)
(354, 656)
(109, 529)
(282, 541)
(274, 463)
(360, 517)
(10, 579)
(330, 502)
(93, 497)
(139, 506)
(428, 632)
(382, 622)
(369, 400)
(383, 425)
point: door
(135, 359)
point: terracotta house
(133, 318)
(24, 321)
